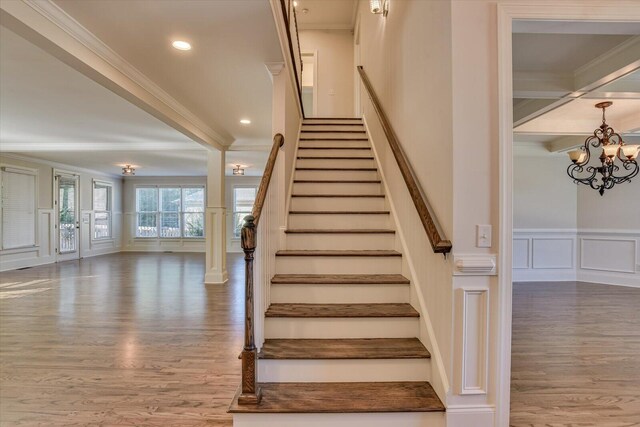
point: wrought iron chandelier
(607, 175)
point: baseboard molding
(609, 278)
(466, 416)
(216, 278)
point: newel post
(250, 393)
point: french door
(67, 217)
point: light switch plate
(483, 236)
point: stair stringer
(368, 419)
(439, 379)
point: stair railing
(291, 24)
(439, 243)
(250, 390)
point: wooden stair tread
(333, 158)
(361, 196)
(333, 131)
(354, 348)
(334, 253)
(337, 169)
(331, 118)
(334, 148)
(341, 310)
(339, 231)
(340, 279)
(337, 181)
(339, 212)
(333, 139)
(349, 397)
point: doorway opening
(310, 83)
(67, 216)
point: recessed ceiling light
(181, 45)
(295, 4)
(245, 121)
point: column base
(216, 277)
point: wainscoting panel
(473, 319)
(41, 253)
(597, 256)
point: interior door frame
(67, 256)
(612, 11)
(313, 53)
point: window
(102, 200)
(170, 212)
(243, 198)
(18, 208)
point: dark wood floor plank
(344, 397)
(341, 310)
(340, 279)
(359, 348)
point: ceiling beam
(47, 26)
(547, 91)
(569, 142)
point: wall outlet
(483, 236)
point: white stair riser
(333, 121)
(326, 175)
(348, 370)
(387, 419)
(311, 241)
(336, 128)
(338, 265)
(336, 221)
(337, 188)
(367, 327)
(333, 135)
(337, 203)
(334, 153)
(339, 294)
(333, 143)
(335, 163)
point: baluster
(250, 394)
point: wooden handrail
(278, 141)
(430, 224)
(287, 24)
(250, 391)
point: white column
(216, 224)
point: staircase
(341, 346)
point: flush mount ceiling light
(128, 171)
(295, 4)
(238, 170)
(181, 45)
(245, 121)
(379, 7)
(604, 177)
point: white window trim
(159, 212)
(233, 213)
(27, 171)
(110, 211)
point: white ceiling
(222, 79)
(552, 63)
(326, 14)
(52, 112)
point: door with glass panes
(67, 217)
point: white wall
(44, 252)
(130, 242)
(233, 244)
(543, 195)
(335, 70)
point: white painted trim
(507, 12)
(474, 265)
(290, 186)
(483, 341)
(635, 254)
(436, 356)
(56, 165)
(73, 28)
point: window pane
(170, 225)
(243, 199)
(147, 199)
(101, 197)
(193, 199)
(193, 225)
(170, 200)
(147, 225)
(238, 222)
(101, 225)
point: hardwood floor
(576, 355)
(125, 339)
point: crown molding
(56, 165)
(62, 20)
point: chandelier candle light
(604, 177)
(238, 170)
(128, 171)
